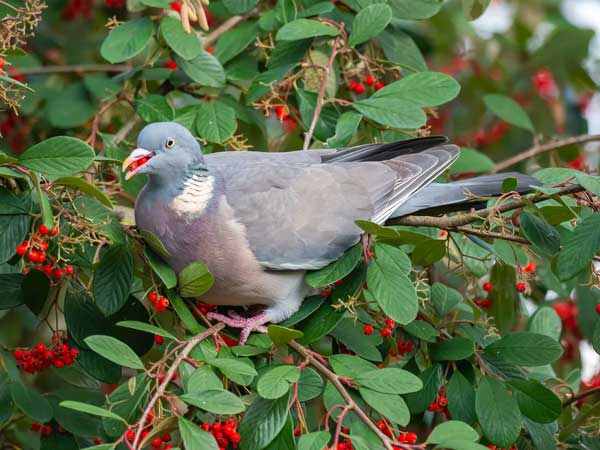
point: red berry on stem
(97, 441)
(359, 88)
(54, 231)
(598, 308)
(386, 332)
(166, 438)
(379, 85)
(156, 443)
(171, 65)
(389, 323)
(521, 287)
(46, 430)
(36, 426)
(2, 62)
(158, 339)
(369, 80)
(176, 6)
(43, 230)
(22, 249)
(487, 286)
(130, 435)
(368, 330)
(153, 297)
(69, 270)
(58, 273)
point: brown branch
(321, 95)
(160, 391)
(351, 404)
(225, 27)
(539, 149)
(125, 129)
(582, 395)
(491, 234)
(452, 222)
(77, 68)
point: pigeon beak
(135, 161)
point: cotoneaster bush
(459, 331)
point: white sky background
(498, 18)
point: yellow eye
(170, 143)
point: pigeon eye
(170, 143)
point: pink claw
(247, 324)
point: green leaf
(309, 306)
(345, 129)
(184, 313)
(304, 28)
(186, 45)
(369, 22)
(275, 382)
(58, 156)
(148, 328)
(444, 299)
(13, 230)
(392, 256)
(195, 280)
(389, 380)
(161, 268)
(215, 122)
(461, 398)
(35, 289)
(475, 8)
(428, 251)
(454, 349)
(155, 244)
(579, 248)
(70, 108)
(536, 401)
(421, 89)
(545, 321)
(85, 187)
(431, 379)
(391, 111)
(310, 385)
(30, 402)
(591, 183)
(91, 409)
(337, 270)
(316, 440)
(350, 333)
(235, 41)
(234, 366)
(217, 401)
(154, 108)
(320, 323)
(393, 290)
(202, 379)
(282, 335)
(498, 412)
(194, 437)
(114, 350)
(204, 69)
(416, 9)
(526, 349)
(391, 406)
(10, 286)
(401, 49)
(503, 297)
(113, 278)
(544, 238)
(509, 111)
(349, 366)
(262, 422)
(239, 6)
(127, 40)
(509, 184)
(471, 160)
(453, 430)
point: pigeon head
(164, 150)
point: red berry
(359, 88)
(58, 273)
(46, 430)
(162, 304)
(386, 332)
(145, 433)
(530, 268)
(485, 303)
(43, 230)
(352, 85)
(411, 437)
(97, 441)
(368, 330)
(379, 85)
(171, 65)
(158, 339)
(130, 435)
(521, 287)
(44, 245)
(210, 50)
(22, 249)
(168, 447)
(36, 426)
(156, 443)
(176, 6)
(2, 62)
(389, 323)
(487, 286)
(54, 231)
(443, 402)
(69, 270)
(59, 364)
(153, 297)
(280, 112)
(598, 308)
(166, 438)
(369, 80)
(298, 431)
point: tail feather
(445, 197)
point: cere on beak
(135, 160)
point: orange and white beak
(135, 161)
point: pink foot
(247, 324)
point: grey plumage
(259, 220)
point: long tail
(438, 198)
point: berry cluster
(79, 8)
(225, 433)
(407, 437)
(114, 3)
(160, 443)
(161, 303)
(35, 251)
(359, 88)
(405, 347)
(545, 84)
(44, 430)
(344, 445)
(493, 447)
(440, 404)
(386, 331)
(567, 311)
(40, 357)
(483, 303)
(170, 64)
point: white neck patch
(194, 199)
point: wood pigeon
(260, 220)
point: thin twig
(125, 129)
(450, 222)
(160, 391)
(77, 68)
(582, 395)
(321, 95)
(351, 404)
(225, 27)
(539, 149)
